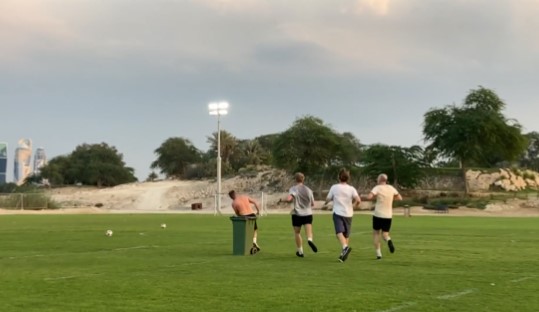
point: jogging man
(242, 207)
(302, 214)
(344, 198)
(383, 213)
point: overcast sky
(133, 73)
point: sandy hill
(177, 196)
(171, 195)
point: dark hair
(232, 194)
(344, 175)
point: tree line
(473, 134)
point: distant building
(23, 156)
(3, 162)
(40, 160)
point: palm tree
(229, 144)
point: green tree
(311, 146)
(8, 187)
(267, 143)
(248, 152)
(530, 158)
(57, 170)
(152, 177)
(403, 165)
(474, 132)
(89, 164)
(174, 156)
(229, 145)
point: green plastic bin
(242, 235)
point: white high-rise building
(40, 160)
(23, 156)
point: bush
(528, 175)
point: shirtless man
(242, 207)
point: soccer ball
(108, 233)
(163, 226)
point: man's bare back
(242, 205)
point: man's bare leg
(387, 239)
(299, 241)
(376, 241)
(309, 233)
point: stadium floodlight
(218, 109)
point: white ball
(163, 226)
(109, 233)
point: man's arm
(368, 197)
(397, 197)
(357, 200)
(252, 201)
(288, 198)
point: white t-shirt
(342, 196)
(303, 200)
(384, 200)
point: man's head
(382, 178)
(232, 194)
(344, 175)
(299, 177)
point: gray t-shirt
(303, 200)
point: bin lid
(241, 218)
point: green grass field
(443, 263)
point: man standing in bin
(242, 207)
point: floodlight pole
(218, 109)
(219, 162)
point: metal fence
(25, 201)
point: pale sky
(133, 73)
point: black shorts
(252, 215)
(381, 224)
(298, 221)
(342, 225)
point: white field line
(353, 233)
(84, 252)
(518, 280)
(400, 307)
(67, 277)
(458, 294)
(23, 257)
(186, 264)
(135, 247)
(60, 278)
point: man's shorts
(342, 225)
(298, 221)
(381, 224)
(252, 215)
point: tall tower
(40, 160)
(3, 162)
(23, 156)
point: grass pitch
(444, 263)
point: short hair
(344, 175)
(300, 177)
(232, 194)
(382, 177)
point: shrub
(528, 175)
